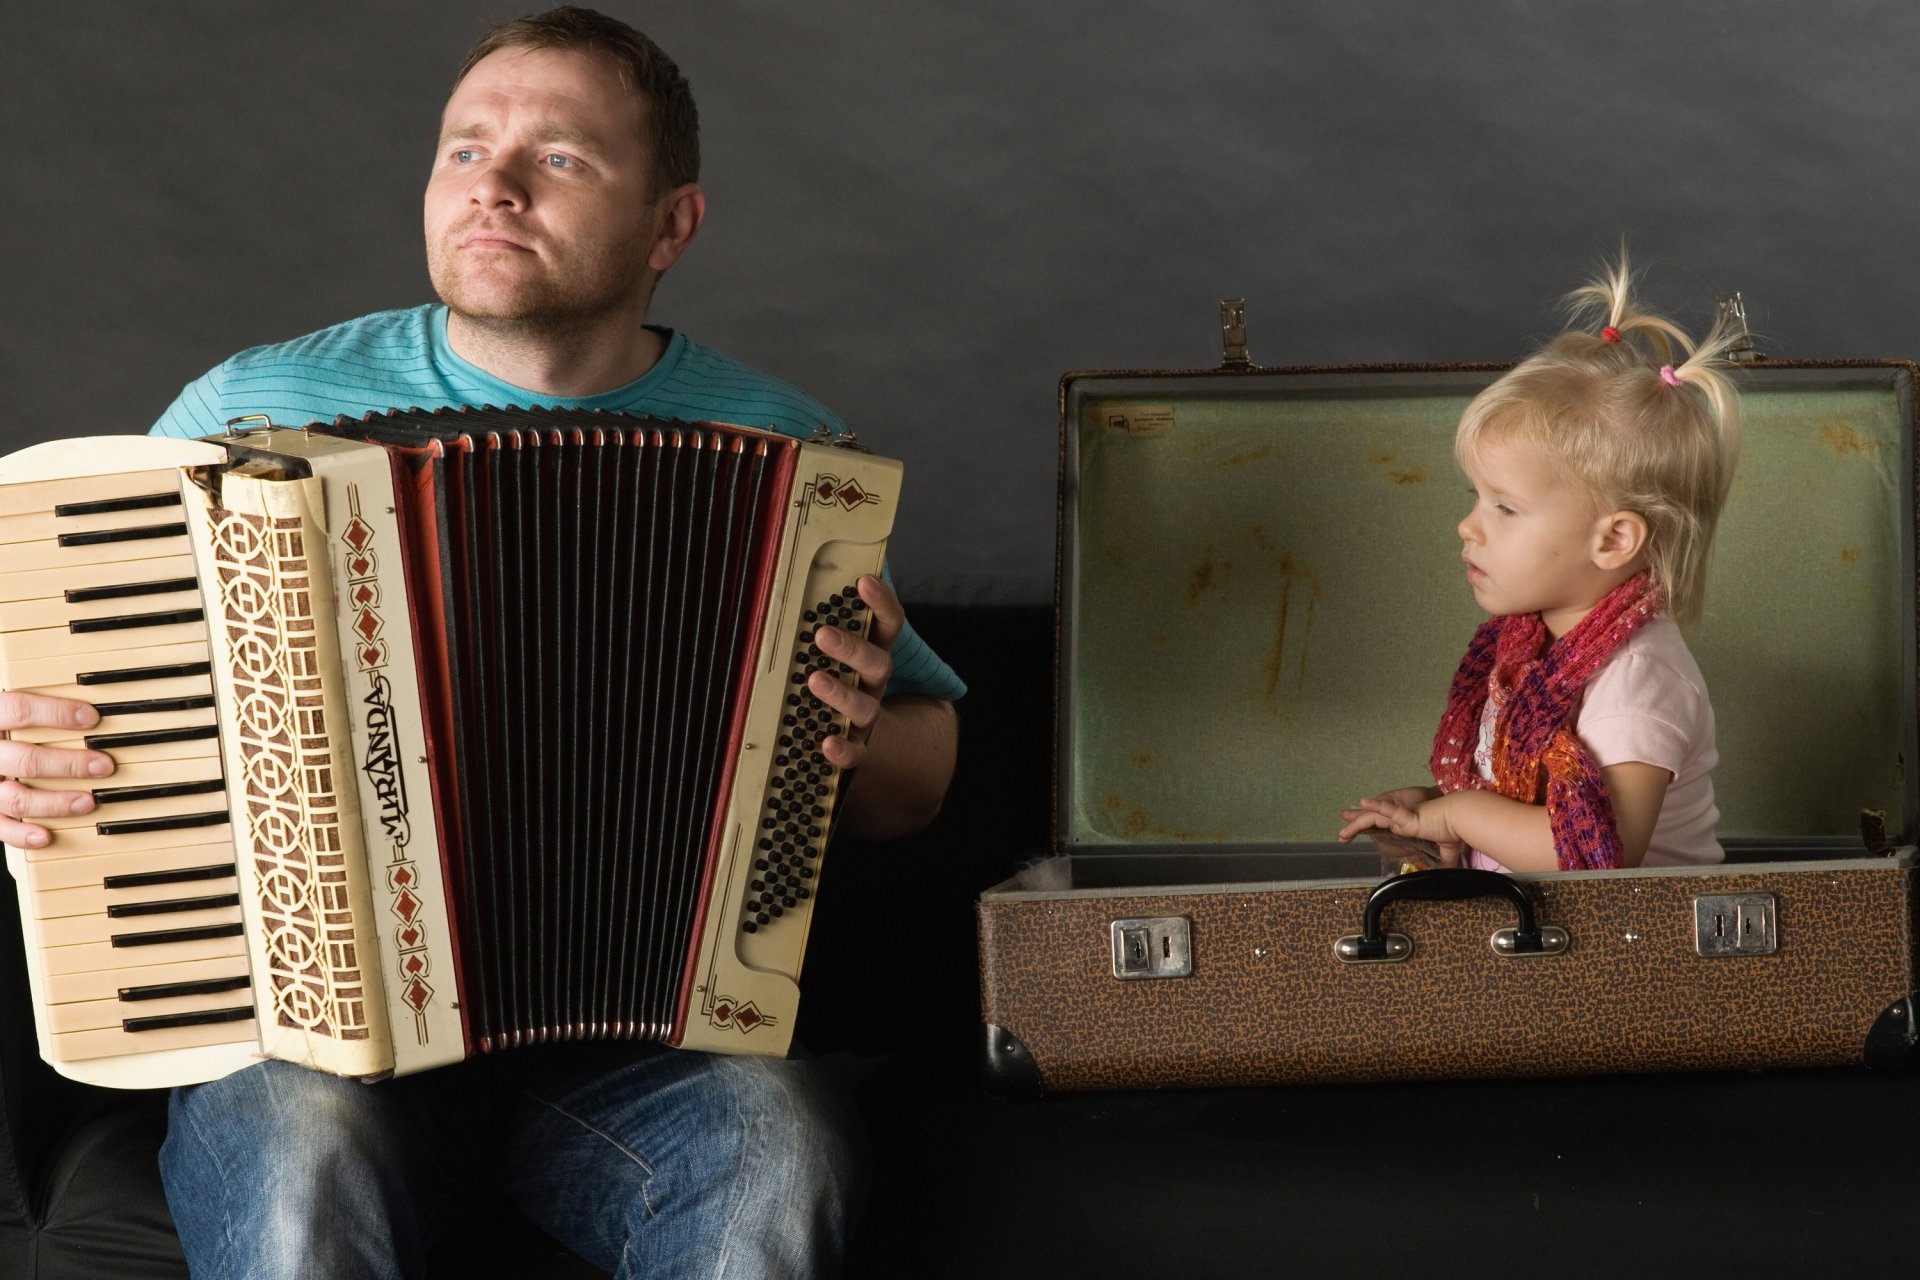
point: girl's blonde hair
(1638, 429)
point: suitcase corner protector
(1893, 1041)
(1007, 1070)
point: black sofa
(1735, 1175)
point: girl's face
(1531, 539)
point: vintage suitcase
(1260, 605)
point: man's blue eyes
(466, 155)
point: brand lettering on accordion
(381, 761)
(472, 780)
(381, 764)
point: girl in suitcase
(1577, 732)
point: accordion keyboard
(134, 931)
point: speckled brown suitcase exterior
(1259, 606)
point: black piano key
(158, 791)
(174, 822)
(134, 621)
(106, 506)
(131, 675)
(164, 1021)
(179, 875)
(150, 737)
(147, 706)
(161, 937)
(167, 990)
(122, 590)
(139, 533)
(126, 910)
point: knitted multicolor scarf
(1535, 685)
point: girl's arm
(1520, 836)
(1637, 790)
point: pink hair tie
(1609, 334)
(1668, 376)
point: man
(565, 183)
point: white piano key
(45, 495)
(137, 811)
(87, 957)
(80, 1046)
(189, 749)
(94, 1015)
(94, 899)
(23, 557)
(43, 526)
(59, 613)
(17, 673)
(52, 584)
(149, 774)
(127, 690)
(103, 984)
(137, 722)
(74, 931)
(85, 840)
(69, 873)
(25, 646)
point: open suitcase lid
(1261, 603)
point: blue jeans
(647, 1162)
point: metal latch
(1161, 947)
(1735, 924)
(822, 434)
(1233, 334)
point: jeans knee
(260, 1166)
(788, 1117)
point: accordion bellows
(515, 737)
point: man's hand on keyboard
(20, 803)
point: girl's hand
(1412, 812)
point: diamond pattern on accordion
(268, 616)
(800, 792)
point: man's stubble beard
(556, 306)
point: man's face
(538, 211)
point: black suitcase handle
(1441, 884)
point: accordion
(435, 734)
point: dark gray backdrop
(925, 213)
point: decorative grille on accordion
(282, 732)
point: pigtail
(1708, 373)
(1608, 297)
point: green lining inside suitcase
(1262, 603)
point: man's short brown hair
(670, 121)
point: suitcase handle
(1447, 883)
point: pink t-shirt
(1648, 704)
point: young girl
(1577, 733)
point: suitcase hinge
(1733, 311)
(1233, 334)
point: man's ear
(682, 211)
(1619, 538)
